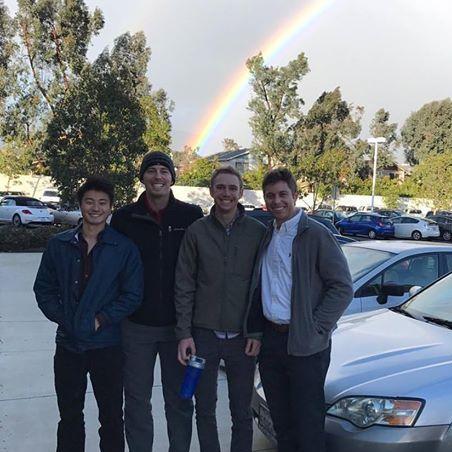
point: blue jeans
(141, 345)
(240, 375)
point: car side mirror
(414, 290)
(382, 299)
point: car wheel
(416, 235)
(372, 234)
(16, 220)
(446, 235)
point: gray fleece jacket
(321, 288)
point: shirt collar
(290, 225)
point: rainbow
(222, 105)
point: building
(240, 159)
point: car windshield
(50, 193)
(434, 302)
(362, 260)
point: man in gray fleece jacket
(301, 286)
(213, 276)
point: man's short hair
(96, 183)
(226, 170)
(277, 175)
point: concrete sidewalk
(28, 410)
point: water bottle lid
(196, 361)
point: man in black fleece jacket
(156, 223)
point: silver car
(384, 272)
(406, 227)
(389, 385)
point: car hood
(384, 353)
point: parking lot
(28, 411)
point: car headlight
(366, 411)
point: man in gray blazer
(301, 286)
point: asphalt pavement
(28, 409)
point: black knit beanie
(157, 158)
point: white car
(50, 195)
(22, 210)
(406, 227)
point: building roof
(225, 156)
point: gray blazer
(321, 288)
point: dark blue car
(370, 224)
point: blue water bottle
(193, 371)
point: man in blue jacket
(89, 279)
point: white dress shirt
(277, 272)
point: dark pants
(294, 389)
(104, 366)
(240, 375)
(141, 345)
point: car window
(436, 301)
(362, 260)
(355, 218)
(8, 202)
(414, 271)
(397, 220)
(408, 220)
(366, 218)
(448, 257)
(33, 203)
(50, 193)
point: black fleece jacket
(159, 248)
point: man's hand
(253, 347)
(185, 348)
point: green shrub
(13, 239)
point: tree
(275, 106)
(6, 49)
(185, 158)
(252, 179)
(229, 144)
(381, 127)
(434, 179)
(46, 65)
(324, 144)
(97, 128)
(47, 51)
(13, 162)
(428, 131)
(157, 108)
(198, 174)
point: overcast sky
(395, 54)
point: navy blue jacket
(114, 289)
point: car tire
(416, 235)
(446, 236)
(372, 234)
(16, 220)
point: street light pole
(375, 141)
